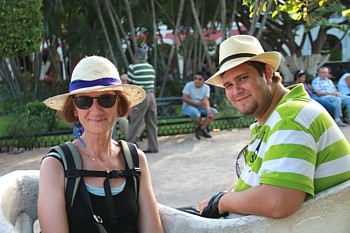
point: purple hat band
(79, 84)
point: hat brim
(271, 58)
(134, 93)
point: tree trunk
(100, 17)
(173, 47)
(154, 28)
(131, 24)
(11, 75)
(223, 20)
(128, 48)
(116, 32)
(200, 31)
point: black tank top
(80, 217)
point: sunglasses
(105, 101)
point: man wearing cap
(295, 150)
(142, 74)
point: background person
(195, 96)
(123, 122)
(325, 89)
(295, 150)
(300, 77)
(142, 74)
(344, 84)
(96, 98)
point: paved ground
(185, 171)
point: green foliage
(30, 120)
(47, 116)
(21, 27)
(298, 9)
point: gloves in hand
(212, 210)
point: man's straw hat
(239, 49)
(96, 74)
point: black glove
(212, 210)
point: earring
(78, 130)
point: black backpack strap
(71, 161)
(97, 219)
(132, 162)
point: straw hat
(96, 74)
(239, 49)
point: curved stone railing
(329, 211)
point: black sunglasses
(105, 101)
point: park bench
(328, 211)
(172, 122)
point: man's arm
(186, 98)
(264, 200)
(347, 81)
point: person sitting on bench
(195, 96)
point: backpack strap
(72, 163)
(132, 161)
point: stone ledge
(328, 211)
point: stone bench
(328, 211)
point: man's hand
(209, 208)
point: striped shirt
(299, 147)
(143, 75)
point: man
(295, 150)
(325, 89)
(142, 73)
(300, 77)
(195, 96)
(344, 84)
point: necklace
(98, 162)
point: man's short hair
(201, 73)
(141, 54)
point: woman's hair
(298, 74)
(123, 107)
(260, 67)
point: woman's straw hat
(239, 49)
(96, 74)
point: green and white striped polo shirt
(143, 75)
(299, 147)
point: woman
(95, 100)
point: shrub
(29, 120)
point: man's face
(198, 80)
(250, 93)
(323, 73)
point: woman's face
(97, 119)
(302, 79)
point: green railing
(165, 127)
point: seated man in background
(344, 84)
(325, 89)
(295, 148)
(195, 96)
(300, 77)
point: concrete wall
(329, 211)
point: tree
(21, 33)
(289, 27)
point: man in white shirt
(195, 96)
(325, 89)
